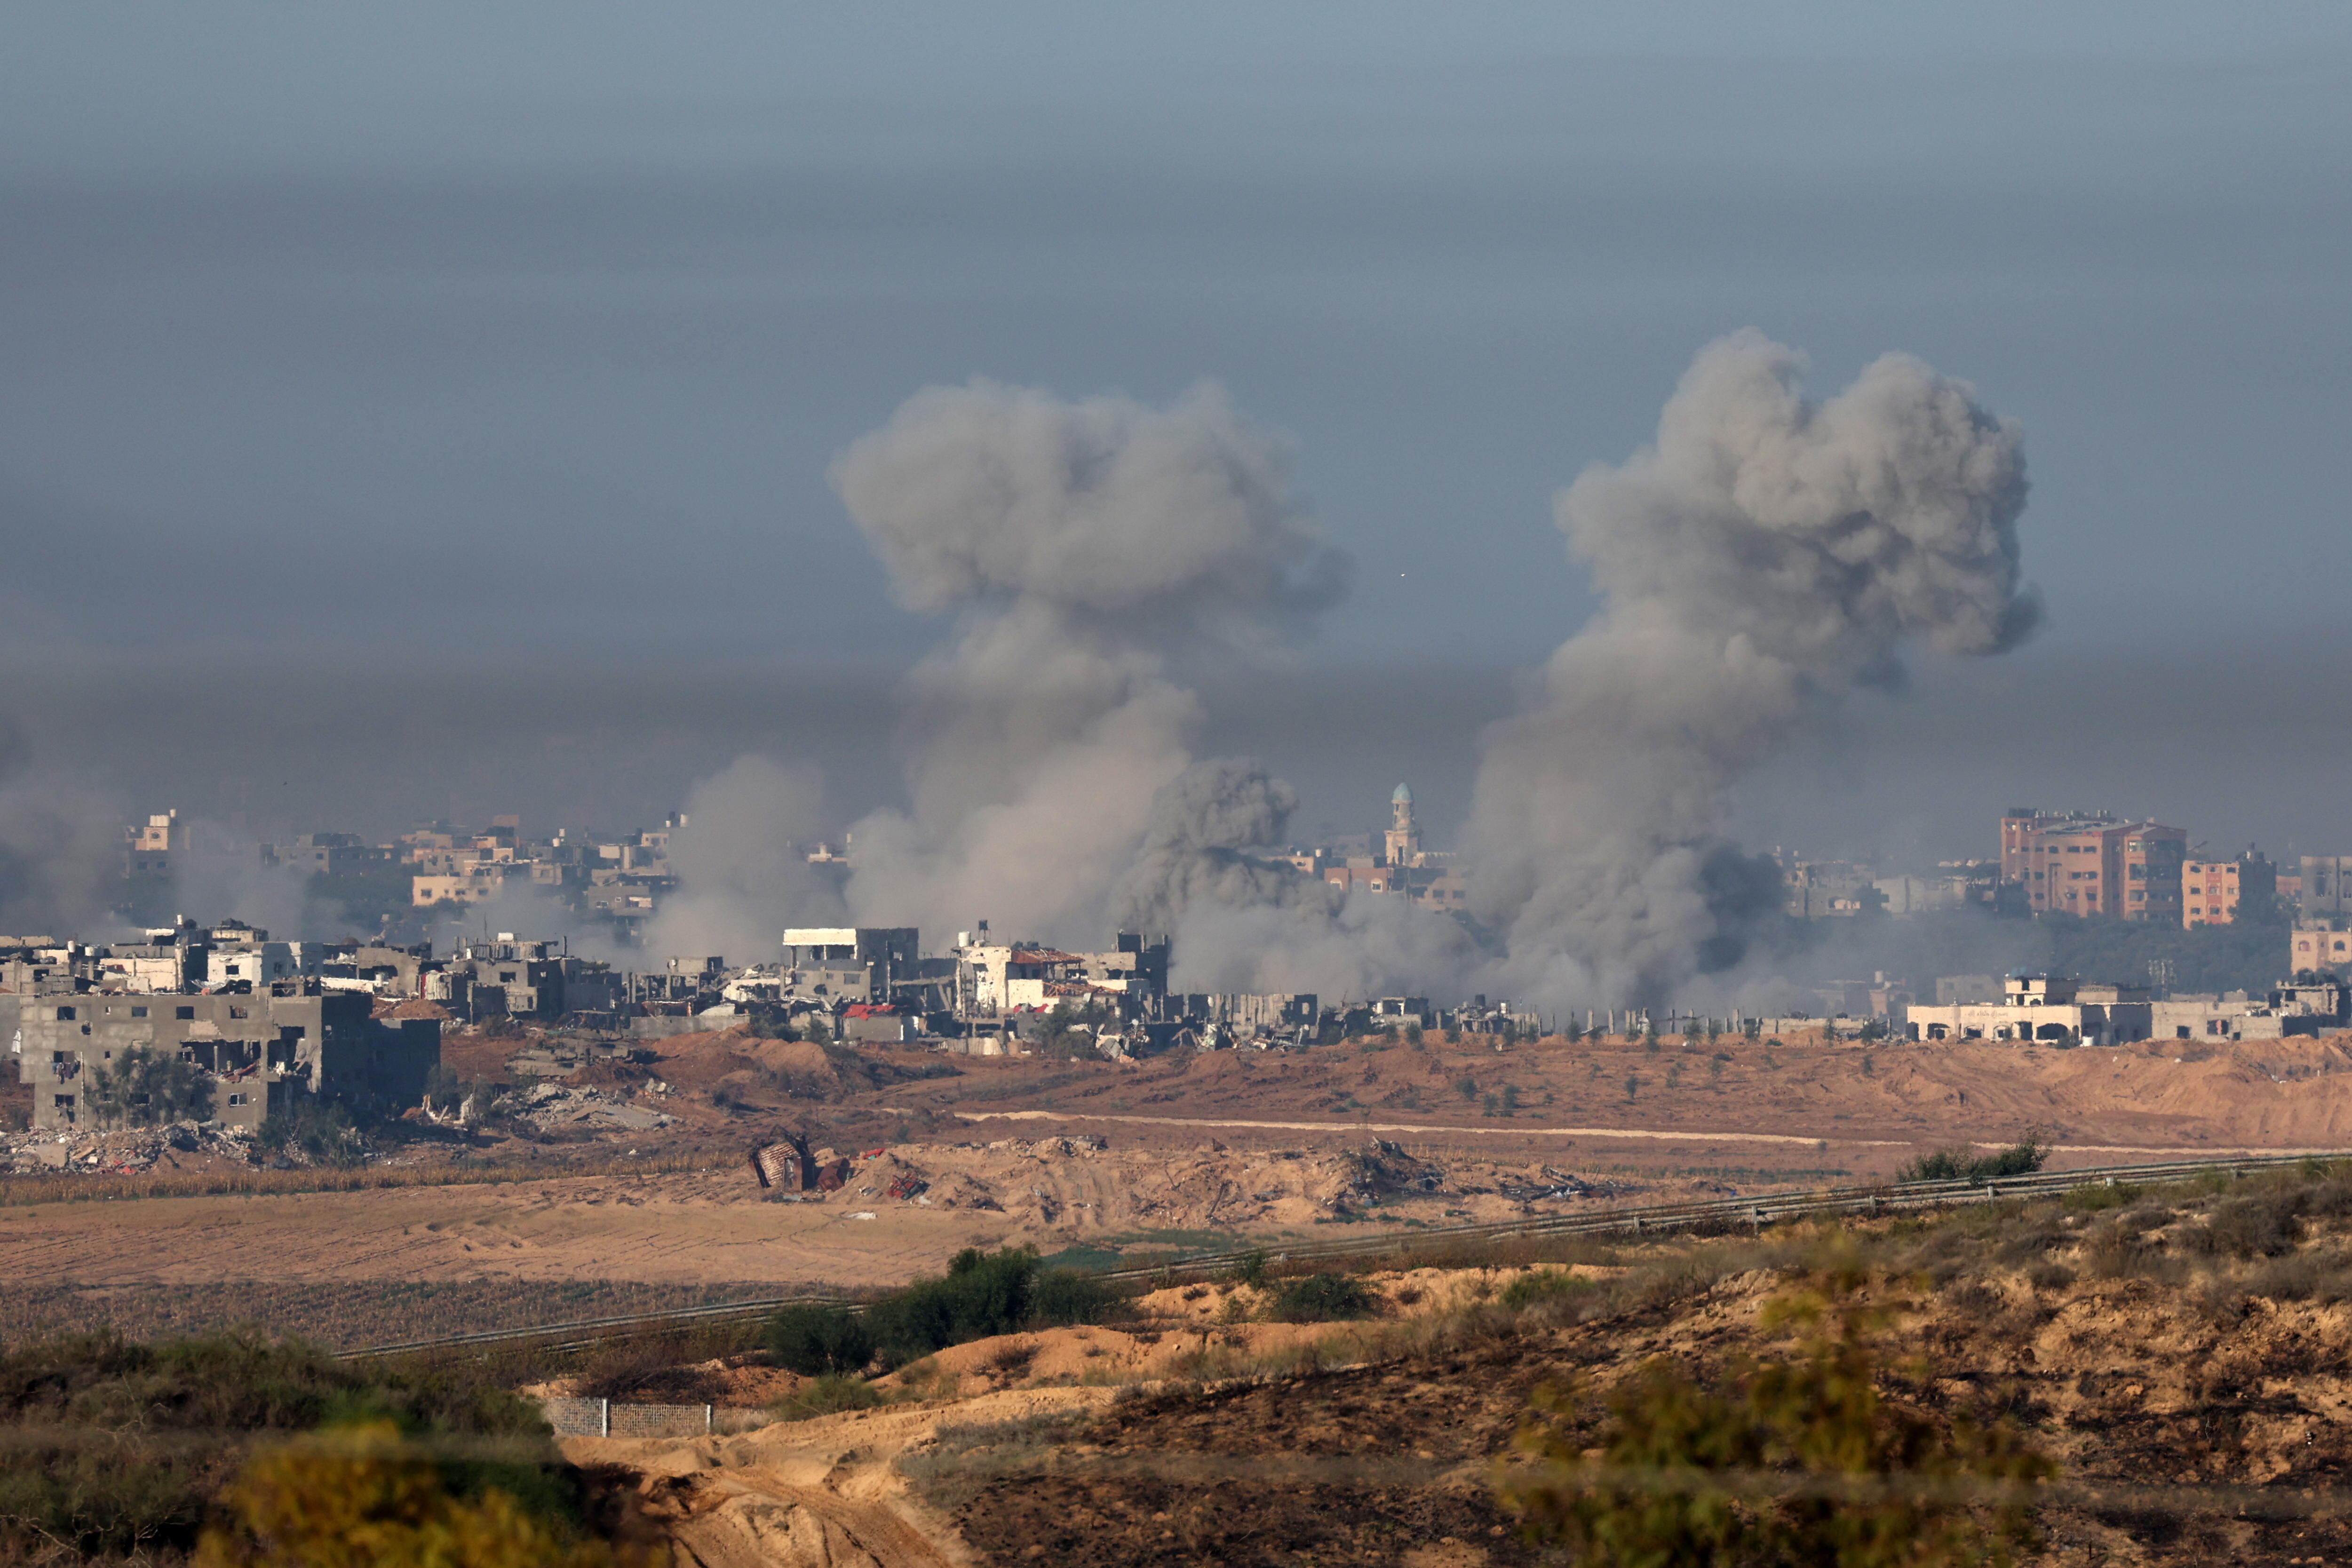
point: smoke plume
(1196, 847)
(1767, 556)
(1089, 552)
(741, 861)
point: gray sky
(410, 355)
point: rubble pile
(122, 1152)
(550, 1106)
(1365, 1176)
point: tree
(1788, 1462)
(813, 1340)
(144, 1087)
(361, 1498)
(1069, 1031)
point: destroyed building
(261, 1053)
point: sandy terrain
(1200, 1149)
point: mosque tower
(1403, 838)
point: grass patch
(1324, 1299)
(828, 1395)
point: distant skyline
(416, 355)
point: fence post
(605, 1418)
(707, 1427)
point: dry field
(1202, 1149)
(2180, 1353)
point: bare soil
(2195, 1402)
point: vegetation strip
(23, 1192)
(1865, 1201)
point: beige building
(2040, 1008)
(2093, 865)
(2316, 947)
(147, 851)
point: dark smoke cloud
(1196, 848)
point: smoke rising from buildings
(1764, 558)
(742, 864)
(61, 847)
(1089, 552)
(1197, 846)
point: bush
(982, 1294)
(1060, 1297)
(1543, 1285)
(827, 1395)
(1324, 1299)
(1962, 1164)
(814, 1339)
(2261, 1225)
(1757, 1471)
(2119, 1247)
(321, 1135)
(104, 1466)
(363, 1494)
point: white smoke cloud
(741, 861)
(1090, 550)
(1764, 558)
(60, 848)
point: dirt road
(827, 1493)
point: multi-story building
(992, 979)
(328, 854)
(2212, 890)
(2324, 887)
(259, 1053)
(2093, 865)
(1825, 889)
(147, 851)
(520, 979)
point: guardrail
(1640, 1220)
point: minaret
(1403, 838)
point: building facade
(2212, 890)
(2094, 866)
(259, 1053)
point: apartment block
(2211, 890)
(2093, 865)
(261, 1051)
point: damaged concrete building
(261, 1053)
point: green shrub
(1324, 1299)
(1784, 1463)
(826, 1396)
(1962, 1164)
(1060, 1297)
(2092, 1200)
(813, 1340)
(97, 1431)
(1543, 1285)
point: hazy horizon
(431, 416)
